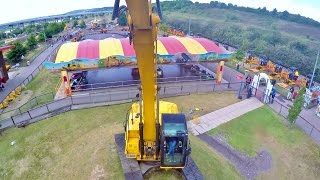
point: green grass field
(43, 87)
(294, 154)
(80, 145)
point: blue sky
(12, 10)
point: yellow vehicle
(155, 131)
(4, 104)
(8, 67)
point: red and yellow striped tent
(99, 49)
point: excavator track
(132, 171)
(131, 168)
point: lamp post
(189, 26)
(314, 69)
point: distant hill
(253, 30)
(89, 10)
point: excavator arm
(154, 126)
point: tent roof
(99, 49)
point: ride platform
(134, 170)
(283, 85)
(255, 70)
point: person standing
(290, 93)
(295, 94)
(272, 95)
(2, 81)
(238, 66)
(318, 110)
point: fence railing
(101, 98)
(118, 84)
(32, 103)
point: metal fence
(32, 103)
(160, 81)
(107, 97)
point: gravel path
(248, 167)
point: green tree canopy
(122, 20)
(14, 55)
(295, 110)
(31, 42)
(83, 24)
(53, 28)
(239, 55)
(75, 23)
(41, 37)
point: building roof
(6, 48)
(99, 49)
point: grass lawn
(42, 87)
(80, 145)
(206, 103)
(294, 154)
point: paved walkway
(18, 79)
(221, 116)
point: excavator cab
(174, 141)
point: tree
(75, 23)
(14, 55)
(53, 28)
(163, 27)
(239, 55)
(40, 37)
(274, 12)
(285, 15)
(3, 35)
(295, 110)
(83, 24)
(122, 20)
(264, 10)
(31, 42)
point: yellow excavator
(155, 131)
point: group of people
(292, 94)
(294, 75)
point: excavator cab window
(174, 140)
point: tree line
(271, 42)
(36, 34)
(285, 15)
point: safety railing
(32, 103)
(108, 96)
(119, 84)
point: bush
(295, 110)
